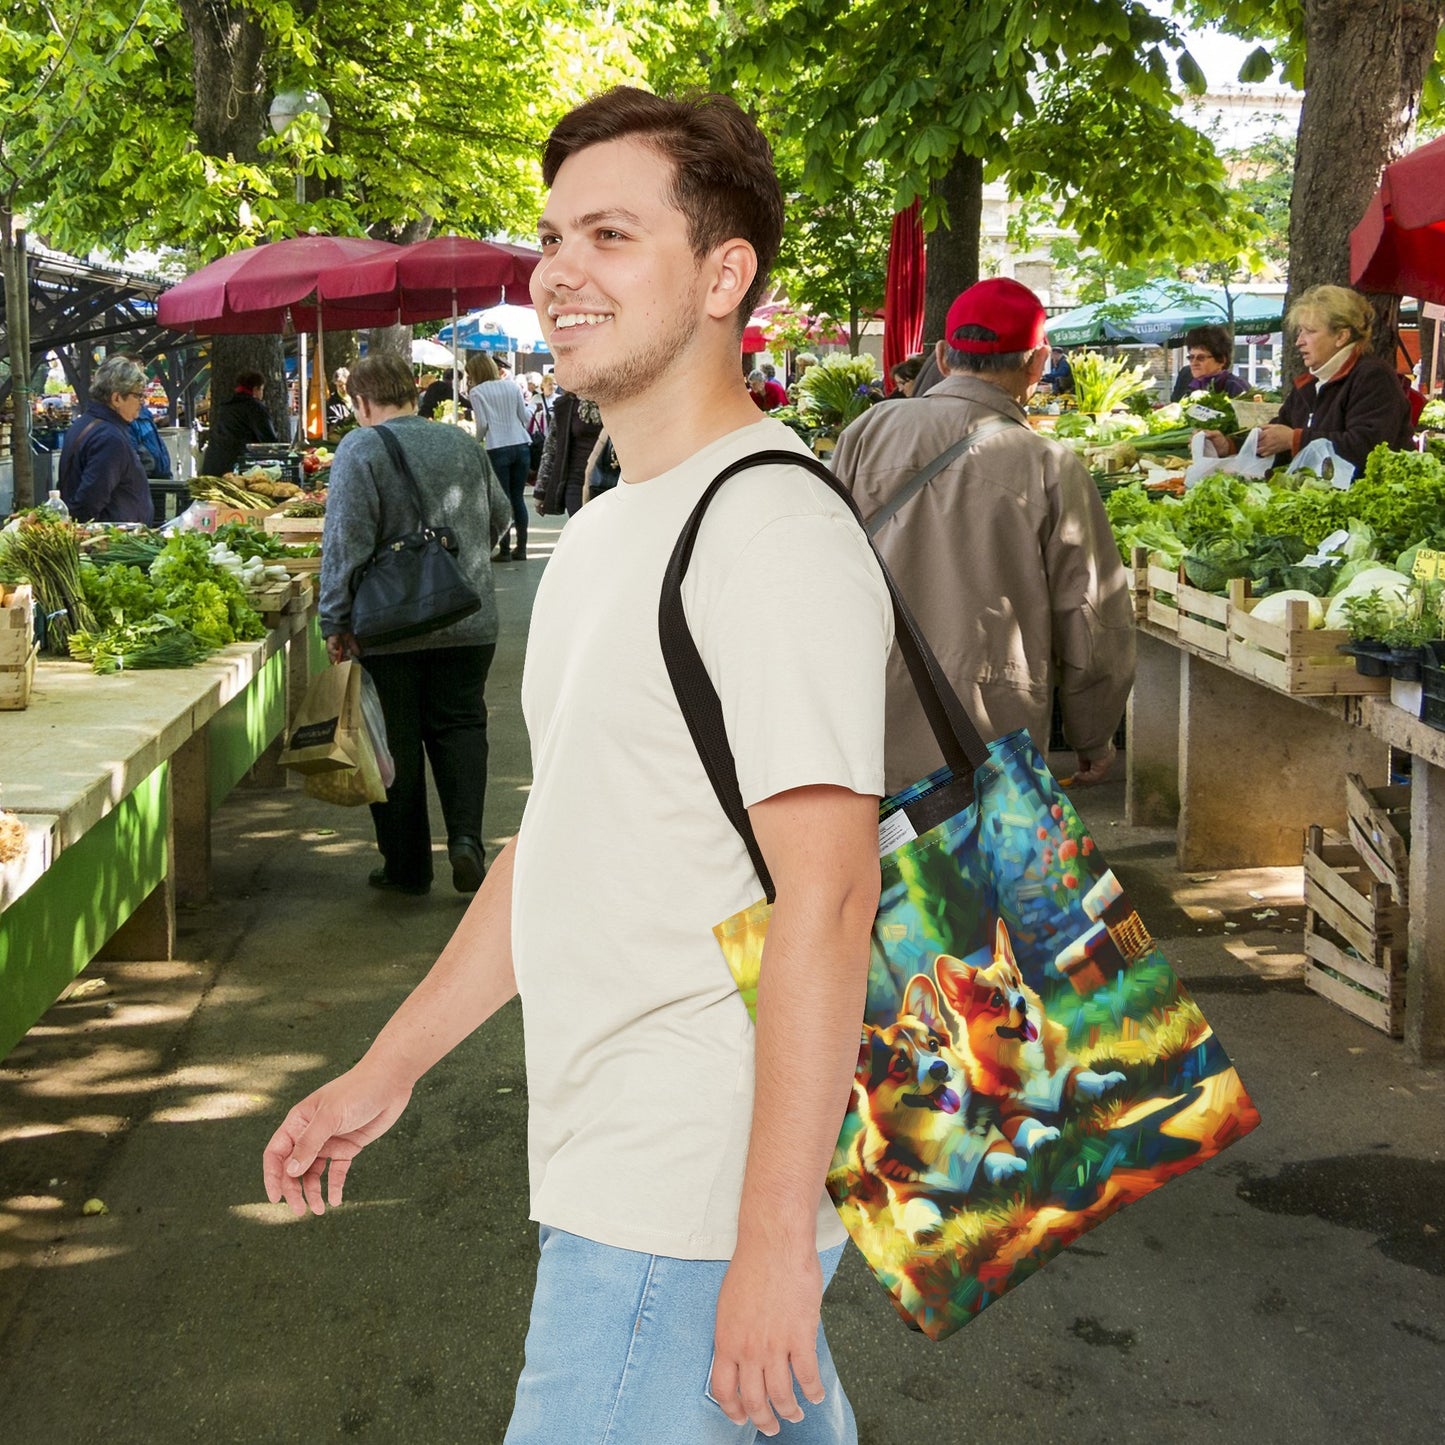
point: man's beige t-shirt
(639, 1049)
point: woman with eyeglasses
(101, 475)
(1210, 350)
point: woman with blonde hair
(1348, 397)
(501, 417)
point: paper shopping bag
(350, 787)
(324, 735)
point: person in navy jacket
(101, 475)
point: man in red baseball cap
(1000, 543)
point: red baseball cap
(1005, 307)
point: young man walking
(677, 1153)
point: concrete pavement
(1294, 1290)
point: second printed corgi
(1013, 1052)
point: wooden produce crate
(271, 601)
(301, 595)
(1199, 618)
(1295, 658)
(310, 566)
(1355, 934)
(1379, 821)
(16, 682)
(17, 625)
(295, 529)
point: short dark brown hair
(249, 381)
(1216, 340)
(382, 378)
(723, 179)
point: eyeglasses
(1200, 356)
(135, 395)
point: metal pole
(300, 336)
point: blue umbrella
(473, 334)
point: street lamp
(288, 107)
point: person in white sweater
(501, 419)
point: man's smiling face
(619, 289)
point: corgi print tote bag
(1029, 1062)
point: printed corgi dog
(1013, 1053)
(921, 1136)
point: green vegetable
(1211, 411)
(1103, 383)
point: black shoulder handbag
(413, 584)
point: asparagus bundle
(44, 550)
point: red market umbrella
(1399, 245)
(431, 279)
(263, 287)
(756, 335)
(903, 296)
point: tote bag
(1029, 1063)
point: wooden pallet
(17, 625)
(1292, 657)
(1355, 935)
(1379, 820)
(1201, 619)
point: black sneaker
(468, 864)
(378, 878)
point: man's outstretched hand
(333, 1126)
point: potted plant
(1408, 636)
(1369, 618)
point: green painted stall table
(115, 779)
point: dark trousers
(434, 705)
(511, 465)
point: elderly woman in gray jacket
(432, 687)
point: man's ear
(940, 355)
(1038, 364)
(734, 265)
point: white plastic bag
(1246, 462)
(1320, 456)
(375, 721)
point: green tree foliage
(920, 89)
(440, 116)
(834, 258)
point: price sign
(1429, 564)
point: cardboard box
(17, 625)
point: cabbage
(1391, 587)
(1273, 608)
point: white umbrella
(430, 353)
(518, 322)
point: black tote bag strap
(980, 432)
(962, 747)
(399, 461)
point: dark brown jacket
(1362, 406)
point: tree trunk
(954, 249)
(17, 336)
(229, 115)
(1364, 67)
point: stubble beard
(613, 382)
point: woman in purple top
(1211, 349)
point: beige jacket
(1008, 562)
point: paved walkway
(1292, 1291)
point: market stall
(1291, 665)
(142, 675)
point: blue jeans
(619, 1352)
(511, 465)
